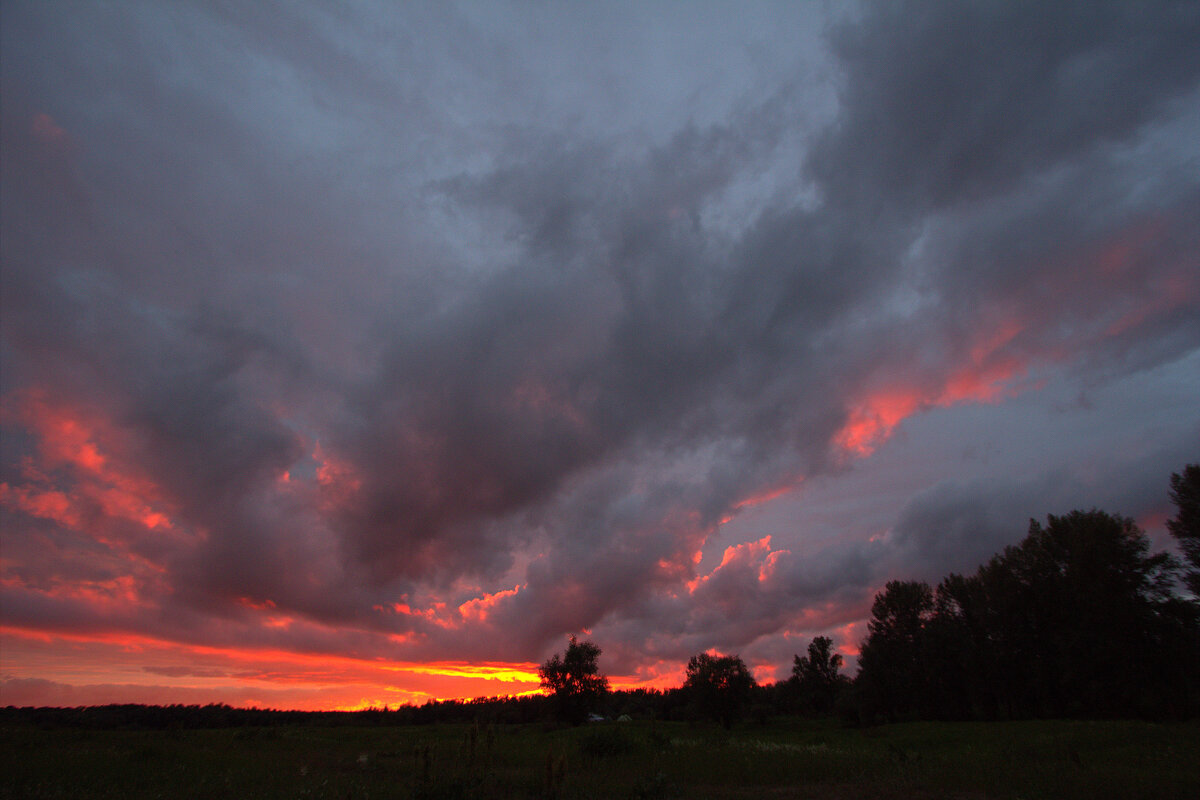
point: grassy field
(632, 760)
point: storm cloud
(439, 333)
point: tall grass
(1046, 759)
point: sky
(360, 353)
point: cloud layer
(435, 334)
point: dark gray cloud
(949, 102)
(381, 310)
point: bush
(607, 742)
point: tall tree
(574, 680)
(1096, 600)
(1077, 619)
(958, 651)
(1185, 527)
(891, 678)
(720, 686)
(1069, 622)
(818, 675)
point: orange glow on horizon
(248, 676)
(513, 673)
(303, 667)
(275, 678)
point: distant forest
(1078, 620)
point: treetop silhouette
(574, 680)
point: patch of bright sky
(1110, 439)
(652, 67)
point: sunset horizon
(358, 356)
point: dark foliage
(719, 686)
(192, 717)
(1078, 620)
(574, 680)
(1185, 527)
(891, 669)
(817, 680)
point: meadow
(781, 759)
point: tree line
(1079, 619)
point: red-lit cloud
(73, 440)
(329, 380)
(987, 376)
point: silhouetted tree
(1096, 594)
(1077, 620)
(1185, 527)
(817, 676)
(720, 686)
(574, 680)
(963, 664)
(890, 681)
